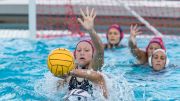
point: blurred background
(58, 16)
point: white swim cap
(157, 50)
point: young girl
(142, 56)
(114, 36)
(158, 60)
(89, 55)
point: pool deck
(11, 10)
(20, 7)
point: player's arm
(139, 54)
(93, 76)
(88, 23)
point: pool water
(25, 76)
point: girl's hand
(88, 19)
(135, 30)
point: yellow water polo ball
(60, 61)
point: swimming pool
(24, 73)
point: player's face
(84, 53)
(152, 47)
(113, 36)
(158, 61)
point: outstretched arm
(88, 23)
(139, 54)
(93, 76)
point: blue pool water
(24, 74)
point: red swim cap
(116, 26)
(157, 40)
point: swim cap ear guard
(150, 58)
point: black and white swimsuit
(84, 85)
(79, 91)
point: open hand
(135, 30)
(88, 19)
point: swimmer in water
(114, 36)
(89, 55)
(158, 60)
(142, 56)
